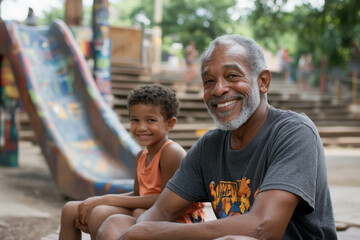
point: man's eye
(207, 82)
(232, 75)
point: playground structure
(87, 149)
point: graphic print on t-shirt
(231, 198)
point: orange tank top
(149, 177)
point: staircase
(337, 123)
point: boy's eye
(134, 120)
(151, 120)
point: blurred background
(311, 46)
(326, 30)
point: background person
(286, 65)
(191, 55)
(31, 19)
(305, 69)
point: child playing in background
(153, 110)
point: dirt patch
(29, 228)
(31, 185)
(30, 202)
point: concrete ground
(30, 203)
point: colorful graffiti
(8, 106)
(102, 47)
(83, 36)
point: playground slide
(87, 149)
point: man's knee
(107, 229)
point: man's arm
(267, 219)
(169, 207)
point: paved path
(28, 192)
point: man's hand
(153, 230)
(233, 237)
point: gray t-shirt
(286, 154)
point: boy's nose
(142, 126)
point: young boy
(153, 110)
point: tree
(327, 30)
(52, 14)
(200, 20)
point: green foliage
(59, 13)
(124, 11)
(51, 14)
(200, 20)
(326, 31)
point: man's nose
(220, 87)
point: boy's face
(148, 125)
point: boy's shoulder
(173, 146)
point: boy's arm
(267, 219)
(170, 159)
(129, 200)
(168, 207)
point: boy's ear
(171, 123)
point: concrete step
(347, 142)
(193, 120)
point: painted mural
(9, 96)
(102, 47)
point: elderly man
(262, 169)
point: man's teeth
(225, 104)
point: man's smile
(221, 105)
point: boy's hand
(80, 226)
(85, 207)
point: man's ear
(264, 80)
(171, 123)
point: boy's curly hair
(155, 95)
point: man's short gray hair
(255, 58)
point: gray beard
(249, 105)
